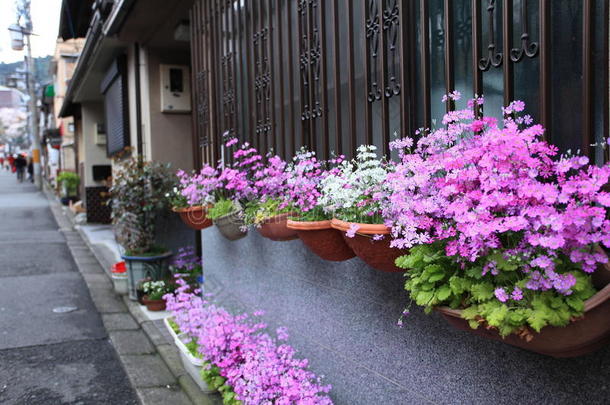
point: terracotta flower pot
(154, 305)
(322, 239)
(194, 217)
(230, 226)
(363, 229)
(377, 254)
(581, 336)
(275, 228)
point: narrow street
(53, 345)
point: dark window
(114, 89)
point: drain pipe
(139, 141)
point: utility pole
(34, 116)
(17, 33)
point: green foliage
(138, 194)
(173, 325)
(70, 181)
(315, 214)
(175, 199)
(192, 347)
(434, 279)
(211, 375)
(221, 208)
(256, 212)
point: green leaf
(443, 292)
(470, 312)
(575, 303)
(423, 298)
(537, 319)
(436, 277)
(497, 315)
(403, 262)
(482, 291)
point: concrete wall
(342, 317)
(89, 152)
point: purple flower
(517, 294)
(500, 294)
(351, 232)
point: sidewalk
(53, 345)
(144, 345)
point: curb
(167, 352)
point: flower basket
(377, 254)
(583, 335)
(194, 217)
(276, 229)
(230, 226)
(154, 305)
(322, 239)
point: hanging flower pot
(194, 217)
(230, 226)
(376, 253)
(322, 239)
(583, 335)
(276, 229)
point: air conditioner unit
(99, 136)
(175, 89)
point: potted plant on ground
(504, 234)
(355, 194)
(68, 182)
(154, 292)
(193, 197)
(137, 197)
(311, 221)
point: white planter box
(171, 331)
(192, 364)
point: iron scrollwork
(228, 94)
(493, 58)
(309, 59)
(372, 36)
(391, 21)
(262, 82)
(203, 110)
(529, 49)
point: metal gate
(333, 74)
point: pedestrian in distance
(20, 166)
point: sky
(45, 18)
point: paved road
(46, 357)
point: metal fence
(333, 74)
